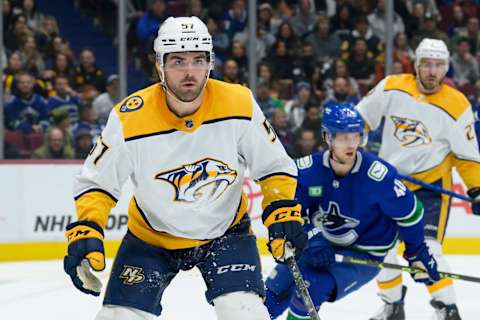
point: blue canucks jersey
(368, 209)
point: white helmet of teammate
(182, 34)
(433, 49)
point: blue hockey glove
(319, 254)
(423, 259)
(85, 251)
(284, 222)
(474, 193)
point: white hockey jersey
(424, 135)
(187, 172)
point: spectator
(341, 93)
(295, 108)
(83, 143)
(31, 59)
(59, 119)
(47, 32)
(28, 111)
(305, 63)
(458, 23)
(265, 74)
(341, 23)
(220, 40)
(14, 66)
(304, 20)
(429, 5)
(281, 61)
(361, 66)
(65, 99)
(325, 44)
(34, 18)
(7, 16)
(105, 102)
(429, 29)
(340, 69)
(61, 45)
(280, 125)
(286, 34)
(266, 19)
(87, 73)
(464, 64)
(54, 147)
(312, 120)
(477, 125)
(415, 20)
(239, 55)
(231, 73)
(235, 19)
(63, 66)
(196, 8)
(17, 33)
(263, 42)
(148, 24)
(88, 121)
(265, 101)
(472, 34)
(306, 144)
(362, 30)
(398, 68)
(377, 21)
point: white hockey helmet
(433, 49)
(182, 34)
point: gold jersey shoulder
(449, 99)
(145, 112)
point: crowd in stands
(310, 53)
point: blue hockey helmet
(343, 118)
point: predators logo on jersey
(200, 182)
(410, 133)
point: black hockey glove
(474, 193)
(284, 222)
(85, 251)
(423, 259)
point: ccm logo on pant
(236, 268)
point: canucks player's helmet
(343, 118)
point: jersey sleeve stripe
(412, 218)
(276, 174)
(95, 190)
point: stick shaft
(385, 265)
(435, 188)
(302, 288)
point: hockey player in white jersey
(428, 130)
(185, 144)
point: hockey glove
(423, 259)
(284, 222)
(474, 193)
(319, 253)
(85, 251)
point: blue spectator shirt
(21, 114)
(69, 104)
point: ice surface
(41, 291)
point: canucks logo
(132, 104)
(201, 182)
(335, 226)
(410, 133)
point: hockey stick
(300, 282)
(385, 265)
(435, 188)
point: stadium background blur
(59, 61)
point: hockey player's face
(431, 73)
(344, 146)
(186, 74)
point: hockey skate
(445, 312)
(392, 311)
